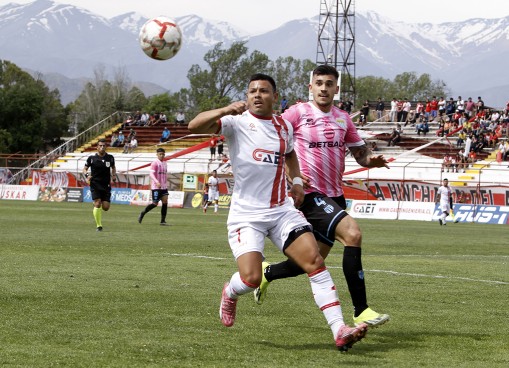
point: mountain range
(64, 44)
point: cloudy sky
(262, 15)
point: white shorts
(444, 207)
(246, 233)
(213, 195)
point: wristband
(298, 181)
(86, 175)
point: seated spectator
(472, 157)
(114, 140)
(374, 146)
(144, 120)
(180, 118)
(422, 128)
(132, 133)
(492, 139)
(395, 137)
(163, 118)
(446, 163)
(133, 145)
(120, 139)
(165, 136)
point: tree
(101, 98)
(32, 119)
(292, 77)
(405, 85)
(226, 77)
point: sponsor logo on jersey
(263, 155)
(341, 123)
(329, 133)
(329, 144)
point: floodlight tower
(336, 41)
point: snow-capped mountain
(50, 37)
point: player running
(213, 195)
(260, 145)
(444, 196)
(159, 186)
(322, 132)
(103, 172)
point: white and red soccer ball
(160, 38)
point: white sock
(444, 217)
(238, 287)
(326, 297)
(216, 207)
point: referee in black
(102, 167)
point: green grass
(148, 296)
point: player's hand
(297, 192)
(378, 161)
(306, 180)
(236, 108)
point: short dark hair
(160, 150)
(326, 70)
(265, 77)
(102, 140)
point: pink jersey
(158, 174)
(320, 140)
(257, 149)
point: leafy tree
(32, 119)
(226, 77)
(405, 85)
(292, 77)
(101, 98)
(161, 103)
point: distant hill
(54, 38)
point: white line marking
(379, 271)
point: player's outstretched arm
(365, 158)
(206, 122)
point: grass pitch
(148, 296)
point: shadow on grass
(377, 341)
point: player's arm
(85, 173)
(114, 173)
(365, 158)
(206, 122)
(293, 171)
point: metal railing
(69, 146)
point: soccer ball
(160, 38)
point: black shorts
(158, 194)
(103, 195)
(324, 214)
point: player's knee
(353, 237)
(252, 280)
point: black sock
(150, 207)
(282, 270)
(354, 275)
(164, 210)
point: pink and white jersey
(320, 140)
(158, 174)
(257, 149)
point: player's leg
(349, 233)
(302, 248)
(151, 206)
(323, 214)
(216, 203)
(97, 212)
(247, 246)
(164, 209)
